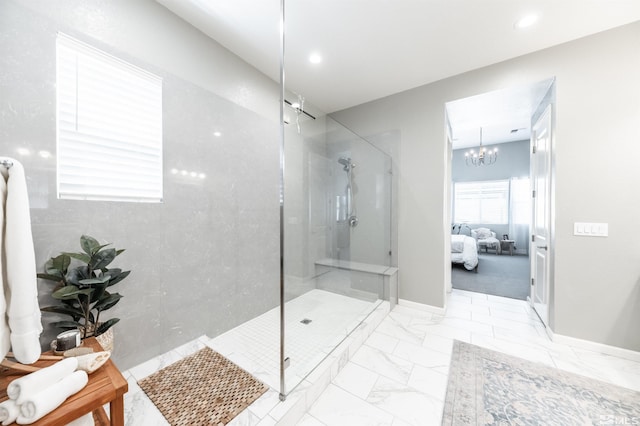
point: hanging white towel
(20, 285)
(42, 403)
(8, 412)
(20, 389)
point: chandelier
(483, 157)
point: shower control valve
(353, 221)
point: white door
(541, 220)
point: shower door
(337, 207)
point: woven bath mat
(202, 389)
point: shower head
(346, 162)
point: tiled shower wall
(206, 258)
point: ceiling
(503, 115)
(375, 48)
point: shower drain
(306, 321)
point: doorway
(495, 197)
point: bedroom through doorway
(491, 191)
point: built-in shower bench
(358, 279)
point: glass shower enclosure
(337, 237)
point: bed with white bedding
(464, 250)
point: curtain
(520, 213)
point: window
(520, 201)
(481, 202)
(109, 126)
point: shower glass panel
(337, 237)
(204, 260)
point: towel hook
(6, 163)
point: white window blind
(481, 202)
(109, 126)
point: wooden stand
(106, 386)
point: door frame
(549, 101)
(549, 98)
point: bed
(465, 251)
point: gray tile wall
(204, 260)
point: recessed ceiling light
(526, 21)
(217, 134)
(315, 58)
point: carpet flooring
(499, 275)
(492, 388)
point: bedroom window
(485, 202)
(109, 126)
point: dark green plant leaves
(106, 325)
(67, 325)
(61, 263)
(85, 258)
(50, 277)
(92, 281)
(102, 258)
(89, 244)
(107, 301)
(70, 292)
(117, 277)
(81, 290)
(74, 313)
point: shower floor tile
(255, 347)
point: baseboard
(594, 346)
(422, 307)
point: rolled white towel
(8, 412)
(86, 420)
(42, 403)
(29, 385)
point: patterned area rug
(202, 389)
(491, 388)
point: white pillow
(483, 233)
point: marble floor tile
(468, 325)
(540, 355)
(356, 379)
(429, 381)
(385, 364)
(461, 312)
(398, 377)
(425, 357)
(438, 343)
(337, 407)
(450, 332)
(394, 326)
(406, 403)
(309, 420)
(382, 341)
(500, 324)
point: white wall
(596, 294)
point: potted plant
(82, 289)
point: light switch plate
(589, 229)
